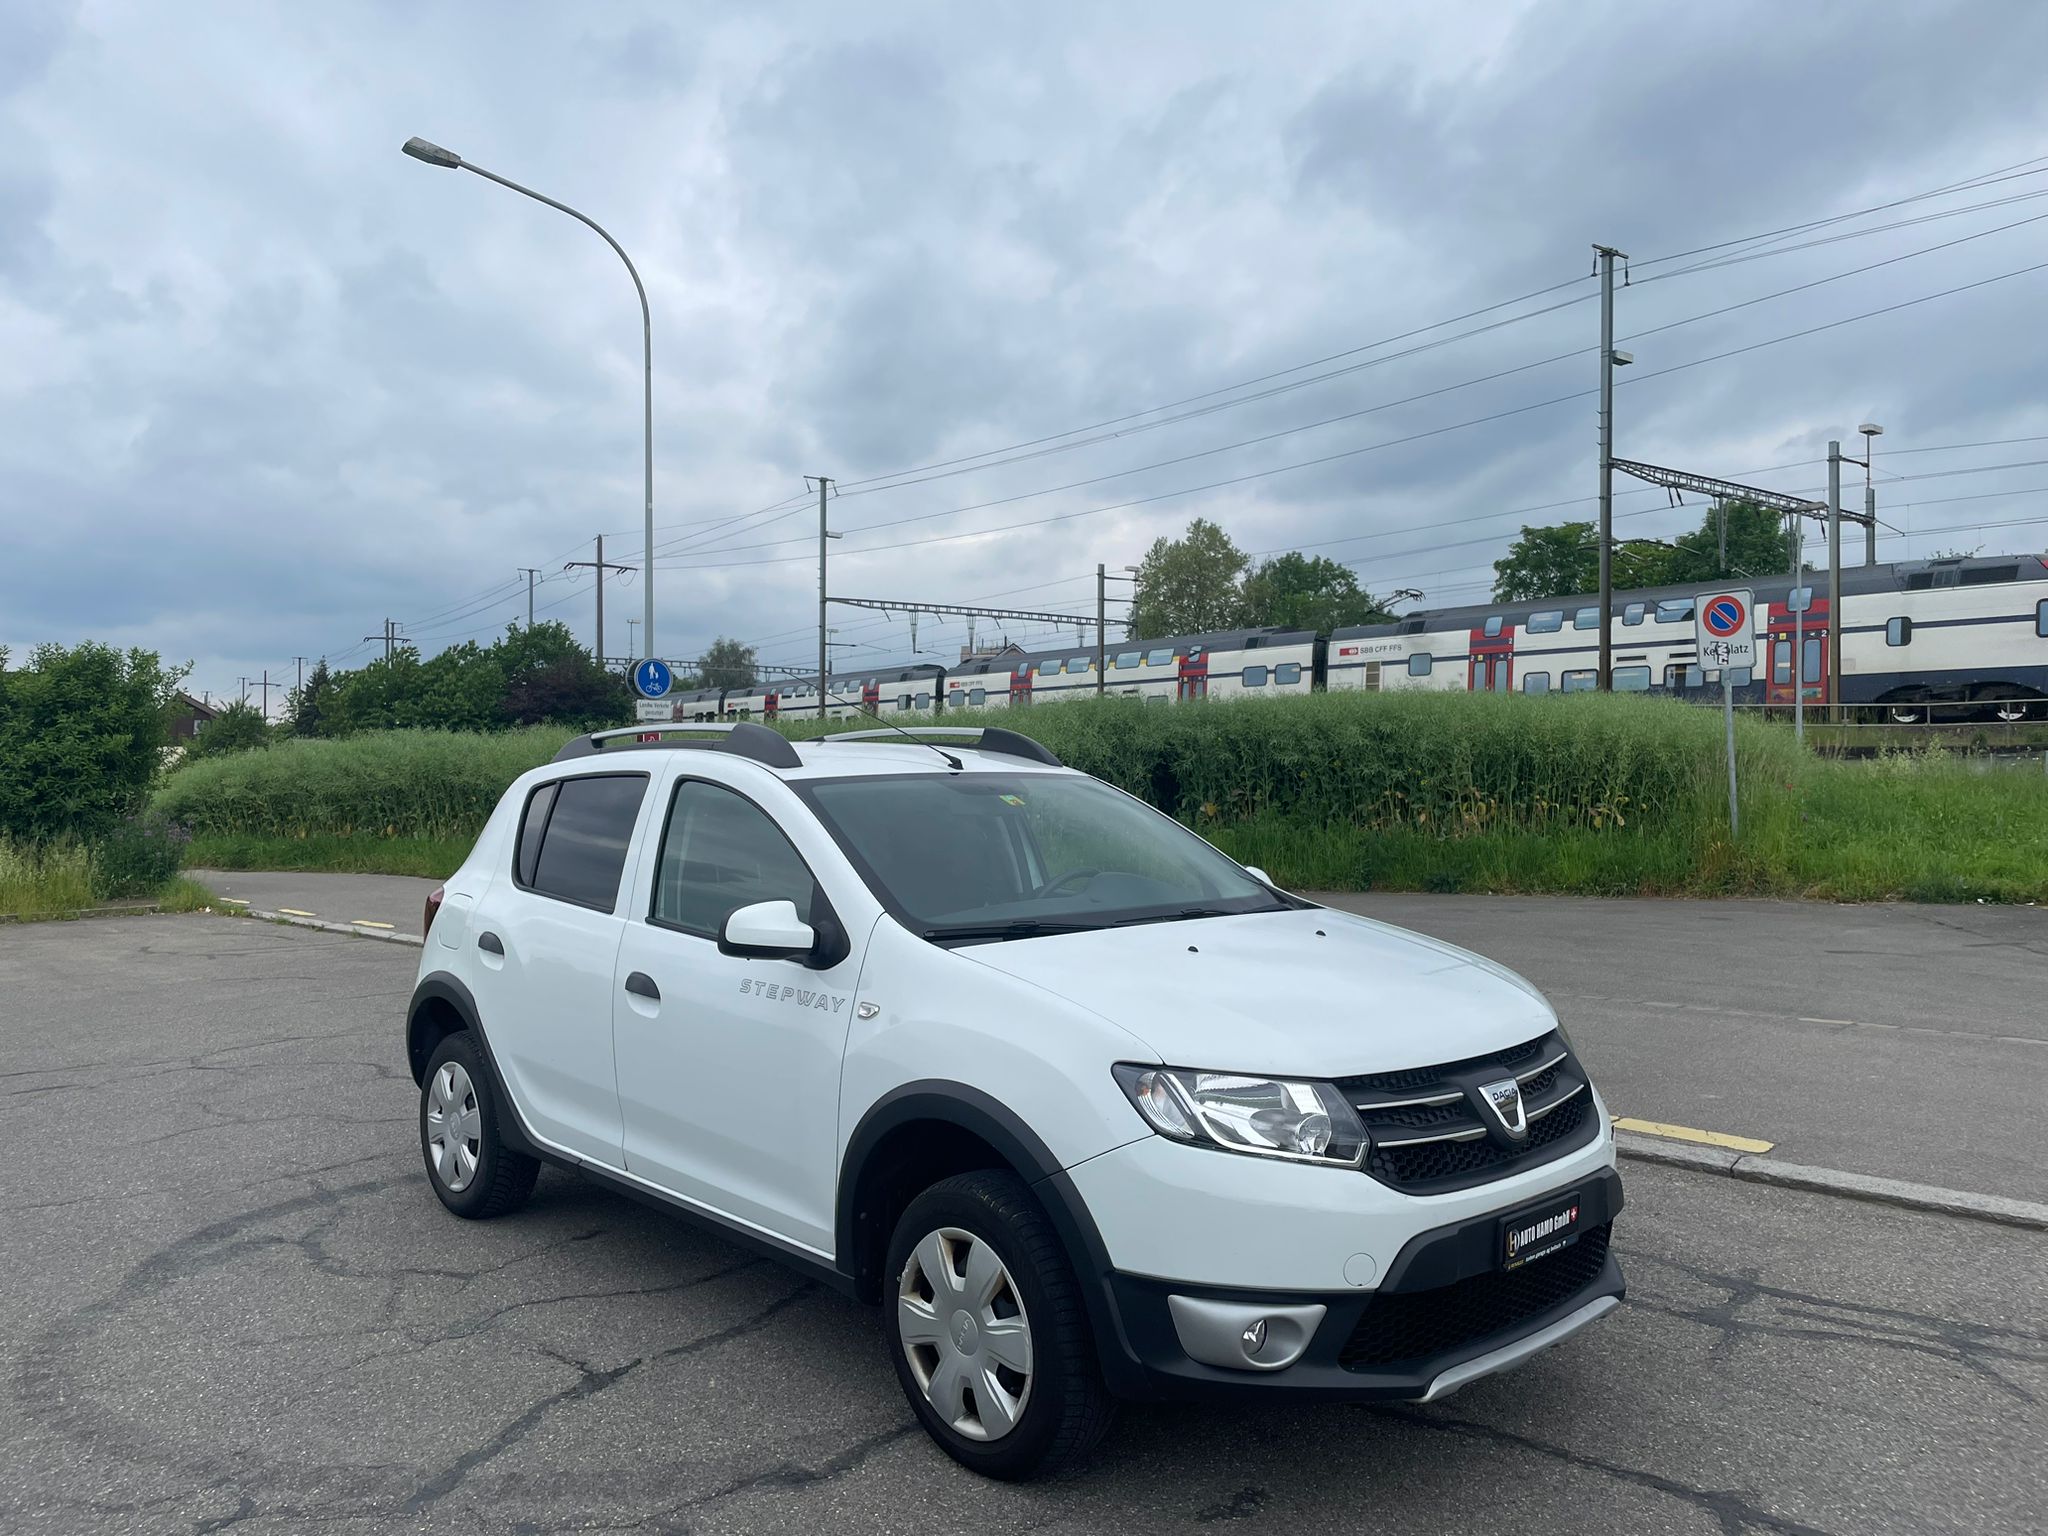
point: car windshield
(996, 856)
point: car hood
(1313, 993)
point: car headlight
(1307, 1122)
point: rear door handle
(490, 943)
(640, 984)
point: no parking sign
(1724, 629)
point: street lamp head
(433, 154)
(1871, 429)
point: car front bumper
(1443, 1314)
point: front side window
(1420, 664)
(1287, 673)
(1631, 679)
(997, 855)
(1546, 623)
(721, 852)
(1898, 631)
(583, 846)
(1535, 682)
(1255, 677)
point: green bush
(238, 728)
(82, 731)
(139, 857)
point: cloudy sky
(264, 382)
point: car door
(546, 941)
(729, 1067)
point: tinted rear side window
(583, 850)
(538, 804)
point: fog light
(1255, 1337)
(1241, 1337)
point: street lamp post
(447, 159)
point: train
(1948, 638)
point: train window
(1799, 599)
(1536, 682)
(1679, 676)
(903, 701)
(1898, 631)
(977, 697)
(1493, 626)
(1586, 618)
(1736, 677)
(1579, 681)
(1781, 661)
(1130, 658)
(1255, 677)
(1631, 679)
(1048, 668)
(1078, 664)
(1809, 664)
(1546, 623)
(1156, 698)
(2041, 618)
(1420, 663)
(1677, 610)
(1984, 575)
(1633, 614)
(1163, 658)
(956, 698)
(924, 701)
(1287, 673)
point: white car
(1091, 1110)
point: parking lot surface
(228, 1301)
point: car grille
(1401, 1327)
(1431, 1133)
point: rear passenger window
(721, 852)
(583, 846)
(538, 804)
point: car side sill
(1511, 1355)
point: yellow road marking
(364, 922)
(1688, 1133)
(296, 912)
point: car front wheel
(472, 1170)
(987, 1329)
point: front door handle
(490, 943)
(640, 984)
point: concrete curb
(326, 927)
(1831, 1181)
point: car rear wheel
(987, 1329)
(472, 1170)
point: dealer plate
(1538, 1231)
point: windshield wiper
(1014, 928)
(1172, 917)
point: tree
(238, 728)
(728, 664)
(1554, 561)
(548, 676)
(305, 710)
(1757, 546)
(1297, 591)
(1189, 585)
(82, 732)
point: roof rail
(743, 738)
(988, 738)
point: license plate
(1540, 1231)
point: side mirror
(768, 930)
(1259, 874)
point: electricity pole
(300, 663)
(1721, 518)
(391, 638)
(529, 572)
(601, 567)
(1871, 433)
(1834, 630)
(1606, 255)
(1101, 601)
(824, 490)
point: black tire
(501, 1179)
(1067, 1408)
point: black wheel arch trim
(442, 987)
(986, 1116)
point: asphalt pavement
(228, 1300)
(1903, 1041)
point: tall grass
(36, 882)
(1587, 793)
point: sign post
(652, 680)
(1724, 629)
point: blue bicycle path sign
(652, 678)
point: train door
(768, 704)
(1493, 660)
(1193, 682)
(871, 696)
(1812, 635)
(1020, 686)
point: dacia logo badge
(1504, 1098)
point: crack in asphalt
(1737, 1513)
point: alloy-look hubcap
(962, 1326)
(454, 1127)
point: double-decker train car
(1965, 635)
